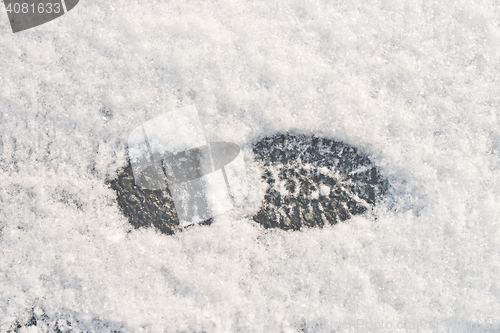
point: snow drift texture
(415, 84)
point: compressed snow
(413, 84)
(324, 190)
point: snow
(413, 84)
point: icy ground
(415, 84)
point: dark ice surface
(304, 164)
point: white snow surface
(414, 84)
